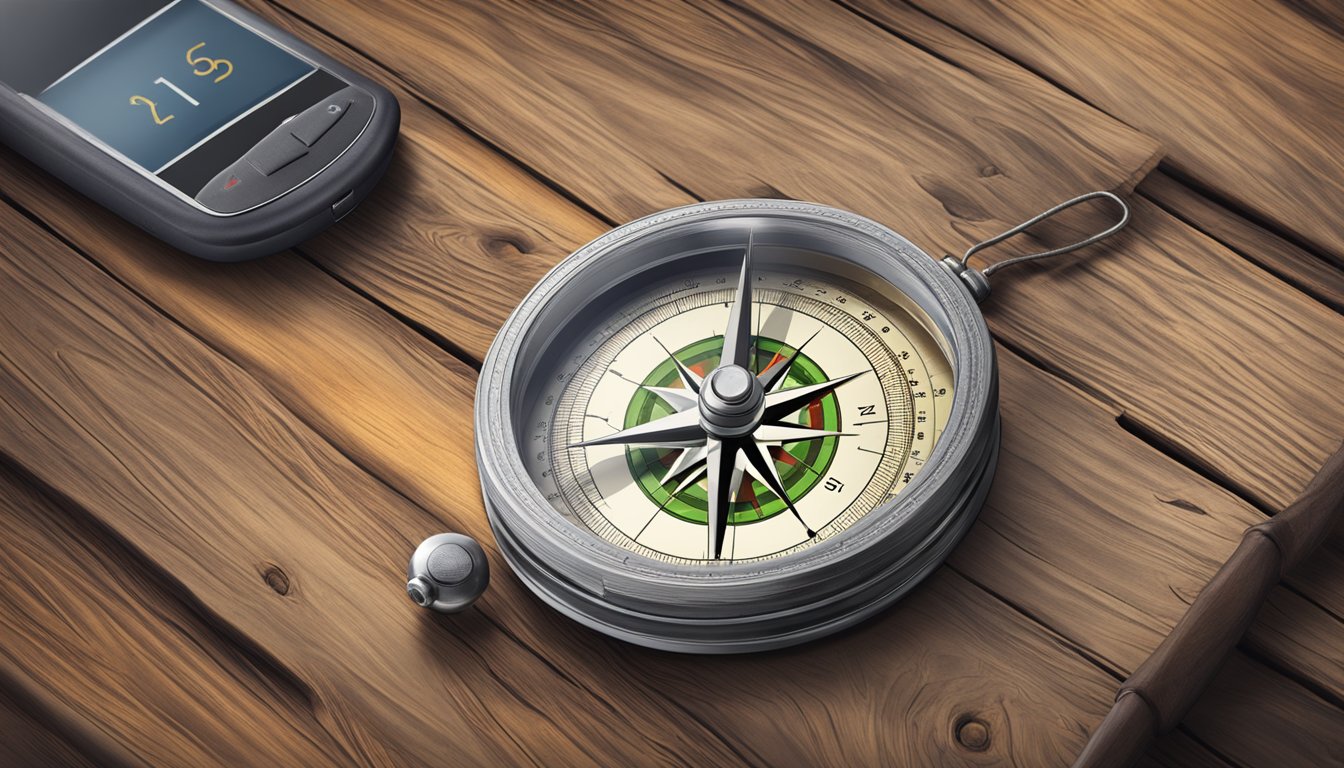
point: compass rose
(725, 422)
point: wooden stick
(1159, 693)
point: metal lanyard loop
(1033, 221)
(976, 280)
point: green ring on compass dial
(803, 471)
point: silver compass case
(735, 607)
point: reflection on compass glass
(740, 411)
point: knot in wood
(972, 733)
(275, 578)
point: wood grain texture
(1178, 368)
(123, 660)
(1308, 272)
(179, 452)
(1323, 281)
(800, 99)
(1200, 349)
(1285, 714)
(1246, 98)
(417, 471)
(1157, 694)
(409, 449)
(26, 741)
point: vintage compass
(740, 425)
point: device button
(344, 206)
(313, 123)
(275, 152)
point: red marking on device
(231, 183)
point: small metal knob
(447, 573)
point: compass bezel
(718, 607)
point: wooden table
(213, 474)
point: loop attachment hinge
(974, 280)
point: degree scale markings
(856, 333)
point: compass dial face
(652, 438)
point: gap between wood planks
(882, 15)
(1308, 268)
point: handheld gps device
(193, 119)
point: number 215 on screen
(201, 66)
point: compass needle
(773, 377)
(720, 470)
(786, 401)
(765, 472)
(675, 430)
(737, 336)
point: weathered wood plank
(1247, 98)
(801, 99)
(1301, 637)
(1308, 273)
(25, 740)
(1199, 348)
(1179, 750)
(1288, 717)
(86, 623)
(278, 536)
(1292, 264)
(1107, 541)
(160, 427)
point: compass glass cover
(845, 393)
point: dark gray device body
(292, 199)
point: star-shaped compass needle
(786, 401)
(689, 379)
(726, 422)
(737, 347)
(675, 430)
(773, 376)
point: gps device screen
(171, 82)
